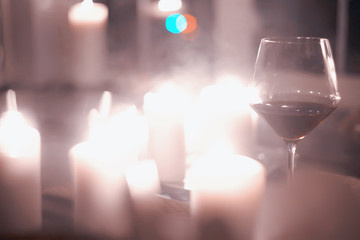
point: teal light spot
(176, 23)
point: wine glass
(296, 87)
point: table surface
(340, 191)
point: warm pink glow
(169, 5)
(87, 3)
(115, 139)
(253, 95)
(17, 138)
(88, 12)
(222, 113)
(227, 187)
(164, 111)
(224, 173)
(143, 179)
(168, 99)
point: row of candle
(107, 163)
(88, 25)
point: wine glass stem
(291, 160)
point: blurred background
(36, 44)
(36, 54)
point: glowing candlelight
(88, 12)
(20, 203)
(99, 166)
(227, 188)
(169, 5)
(88, 22)
(222, 113)
(164, 111)
(87, 3)
(143, 182)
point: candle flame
(96, 117)
(114, 143)
(15, 133)
(93, 119)
(87, 3)
(11, 100)
(105, 104)
(88, 12)
(13, 127)
(125, 128)
(169, 5)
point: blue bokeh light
(176, 23)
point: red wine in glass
(296, 85)
(292, 121)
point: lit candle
(226, 190)
(102, 202)
(20, 202)
(164, 111)
(222, 113)
(169, 5)
(144, 184)
(88, 23)
(143, 181)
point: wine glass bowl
(296, 82)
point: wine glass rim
(297, 40)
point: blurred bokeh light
(176, 23)
(169, 5)
(191, 24)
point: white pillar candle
(226, 190)
(222, 114)
(164, 111)
(143, 181)
(102, 201)
(88, 22)
(20, 191)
